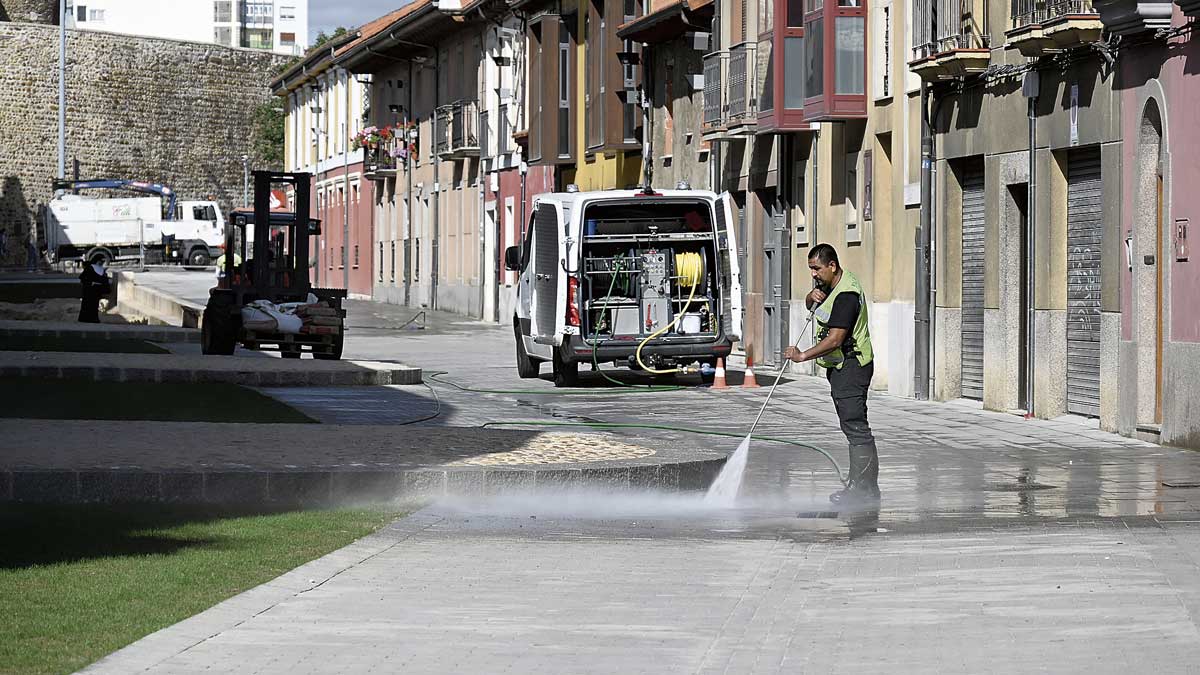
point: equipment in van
(642, 280)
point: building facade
(325, 130)
(279, 26)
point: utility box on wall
(835, 50)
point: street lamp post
(245, 181)
(62, 89)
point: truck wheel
(565, 374)
(198, 258)
(527, 368)
(98, 251)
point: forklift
(273, 265)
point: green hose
(662, 427)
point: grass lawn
(86, 400)
(48, 343)
(77, 583)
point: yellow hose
(689, 269)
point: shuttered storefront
(973, 231)
(1084, 227)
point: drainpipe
(437, 202)
(408, 241)
(922, 314)
(346, 187)
(647, 119)
(1030, 244)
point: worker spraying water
(844, 349)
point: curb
(358, 377)
(163, 334)
(309, 488)
(154, 305)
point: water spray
(724, 489)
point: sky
(326, 15)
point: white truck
(640, 279)
(80, 227)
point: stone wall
(176, 113)
(32, 11)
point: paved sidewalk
(1002, 545)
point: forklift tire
(333, 355)
(565, 374)
(218, 333)
(527, 368)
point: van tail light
(572, 301)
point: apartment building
(280, 26)
(326, 109)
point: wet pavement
(1002, 545)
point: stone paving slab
(47, 461)
(98, 331)
(185, 368)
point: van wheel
(527, 368)
(565, 374)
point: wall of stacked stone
(31, 11)
(177, 113)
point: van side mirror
(512, 259)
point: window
(356, 256)
(381, 261)
(96, 15)
(795, 13)
(766, 16)
(257, 38)
(223, 11)
(393, 267)
(793, 86)
(341, 257)
(223, 36)
(851, 188)
(564, 92)
(849, 54)
(208, 213)
(814, 47)
(81, 13)
(287, 38)
(287, 13)
(868, 170)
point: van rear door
(549, 281)
(731, 300)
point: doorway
(1019, 199)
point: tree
(322, 38)
(268, 134)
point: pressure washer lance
(724, 489)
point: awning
(669, 22)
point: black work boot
(862, 489)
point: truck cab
(640, 279)
(197, 233)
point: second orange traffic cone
(719, 378)
(749, 382)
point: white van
(604, 273)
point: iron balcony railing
(464, 136)
(714, 89)
(1031, 12)
(955, 27)
(742, 102)
(443, 116)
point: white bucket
(689, 324)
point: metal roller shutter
(1085, 223)
(973, 232)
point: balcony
(953, 48)
(1130, 17)
(713, 124)
(1043, 27)
(743, 100)
(457, 130)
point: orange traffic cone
(749, 382)
(719, 378)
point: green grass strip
(30, 398)
(77, 583)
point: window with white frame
(96, 15)
(223, 11)
(287, 13)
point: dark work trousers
(848, 387)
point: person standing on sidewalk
(96, 285)
(844, 349)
